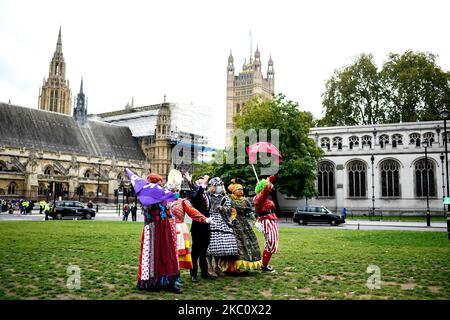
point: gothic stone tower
(55, 94)
(248, 84)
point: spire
(270, 60)
(80, 110)
(59, 43)
(81, 87)
(257, 54)
(230, 58)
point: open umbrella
(262, 147)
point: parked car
(308, 214)
(71, 209)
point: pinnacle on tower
(59, 43)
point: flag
(262, 147)
(148, 193)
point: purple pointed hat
(148, 193)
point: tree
(409, 87)
(352, 95)
(297, 171)
(414, 87)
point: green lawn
(311, 264)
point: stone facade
(39, 147)
(399, 169)
(248, 84)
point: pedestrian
(133, 210)
(41, 206)
(344, 213)
(46, 209)
(90, 205)
(126, 212)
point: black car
(317, 214)
(70, 209)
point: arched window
(425, 178)
(366, 141)
(390, 181)
(384, 139)
(397, 139)
(12, 188)
(353, 141)
(337, 143)
(430, 137)
(325, 143)
(357, 179)
(325, 179)
(3, 166)
(48, 171)
(414, 138)
(88, 174)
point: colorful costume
(179, 208)
(222, 243)
(249, 253)
(264, 208)
(200, 232)
(158, 260)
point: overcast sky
(145, 49)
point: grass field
(311, 264)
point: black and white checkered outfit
(222, 242)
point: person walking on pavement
(133, 211)
(41, 206)
(47, 209)
(126, 212)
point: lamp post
(121, 187)
(372, 159)
(425, 145)
(443, 179)
(444, 113)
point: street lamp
(443, 179)
(444, 113)
(372, 159)
(425, 145)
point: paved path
(111, 215)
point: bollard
(96, 210)
(358, 226)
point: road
(110, 215)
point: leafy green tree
(297, 170)
(409, 87)
(352, 95)
(414, 87)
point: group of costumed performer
(264, 208)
